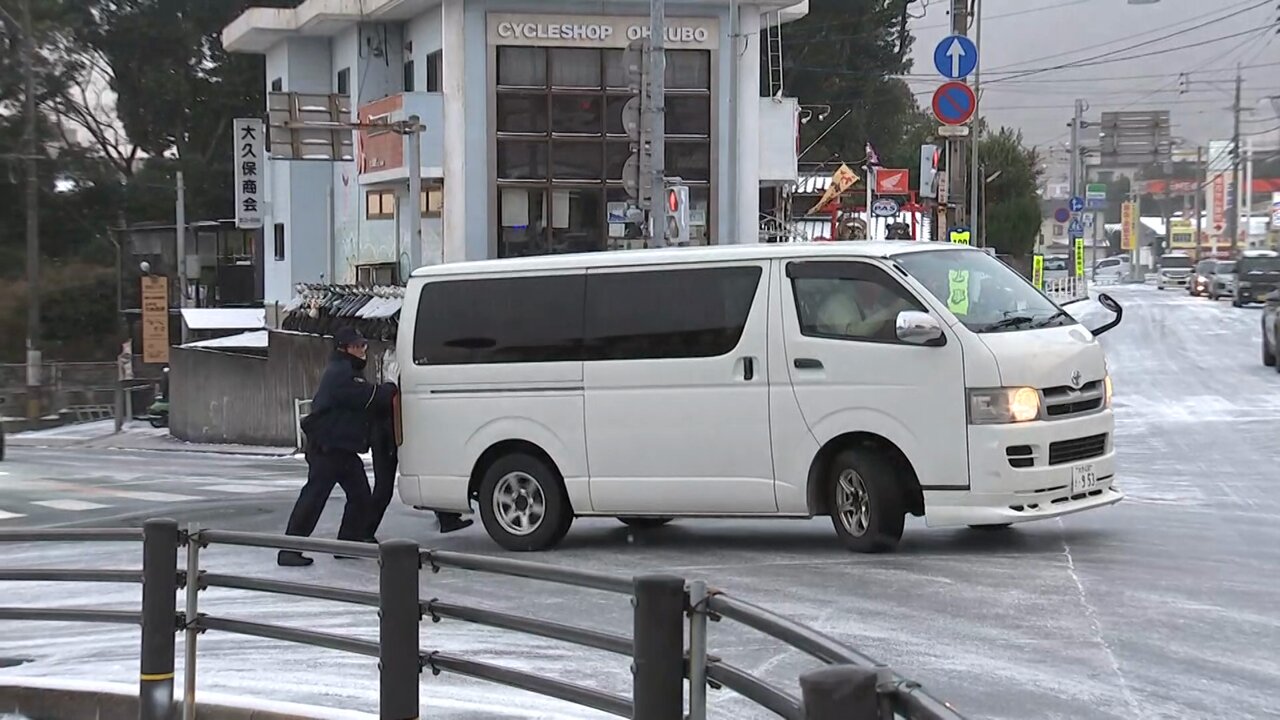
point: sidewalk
(101, 435)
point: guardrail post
(192, 617)
(697, 650)
(399, 614)
(840, 692)
(658, 655)
(159, 618)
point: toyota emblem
(1076, 377)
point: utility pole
(1248, 191)
(1075, 148)
(656, 110)
(1199, 195)
(957, 175)
(414, 131)
(977, 184)
(1233, 194)
(33, 212)
(181, 230)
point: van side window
(848, 301)
(700, 312)
(500, 320)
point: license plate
(1083, 479)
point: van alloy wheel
(519, 503)
(853, 505)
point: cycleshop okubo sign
(598, 31)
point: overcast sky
(1022, 35)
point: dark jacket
(339, 417)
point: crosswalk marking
(160, 497)
(244, 489)
(9, 515)
(71, 505)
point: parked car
(1112, 269)
(1257, 274)
(1056, 267)
(1175, 270)
(1271, 331)
(1199, 284)
(1222, 279)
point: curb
(87, 444)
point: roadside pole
(414, 131)
(956, 157)
(181, 229)
(1199, 196)
(977, 183)
(656, 110)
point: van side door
(852, 374)
(677, 396)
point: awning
(225, 318)
(244, 341)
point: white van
(858, 380)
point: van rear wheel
(867, 508)
(523, 504)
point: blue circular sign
(955, 57)
(954, 103)
(1077, 204)
(1061, 215)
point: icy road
(1162, 607)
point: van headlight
(998, 406)
(1106, 385)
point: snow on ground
(1162, 607)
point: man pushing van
(337, 431)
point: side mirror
(918, 328)
(1114, 308)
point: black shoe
(370, 541)
(289, 558)
(453, 523)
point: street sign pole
(656, 110)
(977, 184)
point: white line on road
(160, 497)
(9, 516)
(246, 489)
(72, 505)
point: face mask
(358, 363)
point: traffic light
(929, 159)
(678, 215)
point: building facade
(524, 144)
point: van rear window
(607, 315)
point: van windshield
(1258, 264)
(982, 292)
(1175, 261)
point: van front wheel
(523, 504)
(866, 501)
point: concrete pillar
(748, 139)
(456, 117)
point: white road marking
(72, 505)
(160, 497)
(244, 489)
(9, 516)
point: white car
(1175, 271)
(1112, 270)
(864, 381)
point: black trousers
(324, 470)
(385, 461)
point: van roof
(673, 256)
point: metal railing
(849, 686)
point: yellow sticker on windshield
(958, 296)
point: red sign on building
(893, 182)
(380, 149)
(1218, 207)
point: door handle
(808, 364)
(748, 369)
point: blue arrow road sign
(955, 57)
(1077, 204)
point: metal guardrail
(849, 686)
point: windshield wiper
(1047, 322)
(1009, 322)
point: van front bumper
(1025, 471)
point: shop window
(377, 274)
(571, 160)
(344, 81)
(408, 77)
(277, 85)
(279, 240)
(431, 202)
(522, 66)
(575, 68)
(522, 113)
(522, 160)
(435, 65)
(380, 205)
(577, 114)
(561, 146)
